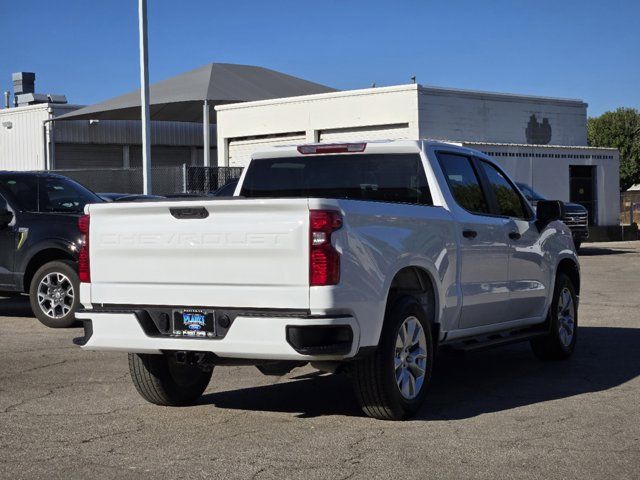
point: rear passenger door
(7, 252)
(528, 276)
(484, 272)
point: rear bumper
(260, 338)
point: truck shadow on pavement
(598, 251)
(466, 385)
(16, 306)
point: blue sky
(88, 50)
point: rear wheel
(560, 342)
(159, 379)
(54, 293)
(392, 383)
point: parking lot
(501, 413)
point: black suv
(576, 217)
(40, 240)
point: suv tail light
(324, 260)
(84, 268)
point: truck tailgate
(243, 253)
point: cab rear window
(397, 178)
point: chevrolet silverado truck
(361, 258)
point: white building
(539, 141)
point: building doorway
(582, 189)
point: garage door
(396, 131)
(72, 156)
(240, 150)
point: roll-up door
(87, 155)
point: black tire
(553, 346)
(159, 379)
(374, 377)
(577, 244)
(56, 318)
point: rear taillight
(324, 260)
(84, 268)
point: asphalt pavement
(66, 413)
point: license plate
(193, 323)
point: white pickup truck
(361, 258)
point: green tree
(621, 130)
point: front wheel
(560, 342)
(161, 380)
(391, 384)
(54, 293)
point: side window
(62, 195)
(463, 182)
(22, 191)
(508, 200)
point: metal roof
(516, 97)
(180, 98)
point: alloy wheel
(566, 317)
(56, 295)
(410, 360)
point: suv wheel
(159, 379)
(392, 383)
(560, 342)
(54, 294)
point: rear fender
(43, 252)
(428, 267)
(67, 250)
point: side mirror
(548, 211)
(5, 216)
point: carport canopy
(181, 98)
(191, 96)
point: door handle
(514, 236)
(469, 233)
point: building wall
(447, 114)
(410, 112)
(117, 143)
(129, 132)
(22, 145)
(546, 170)
(76, 144)
(389, 112)
(400, 112)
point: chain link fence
(164, 180)
(630, 207)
